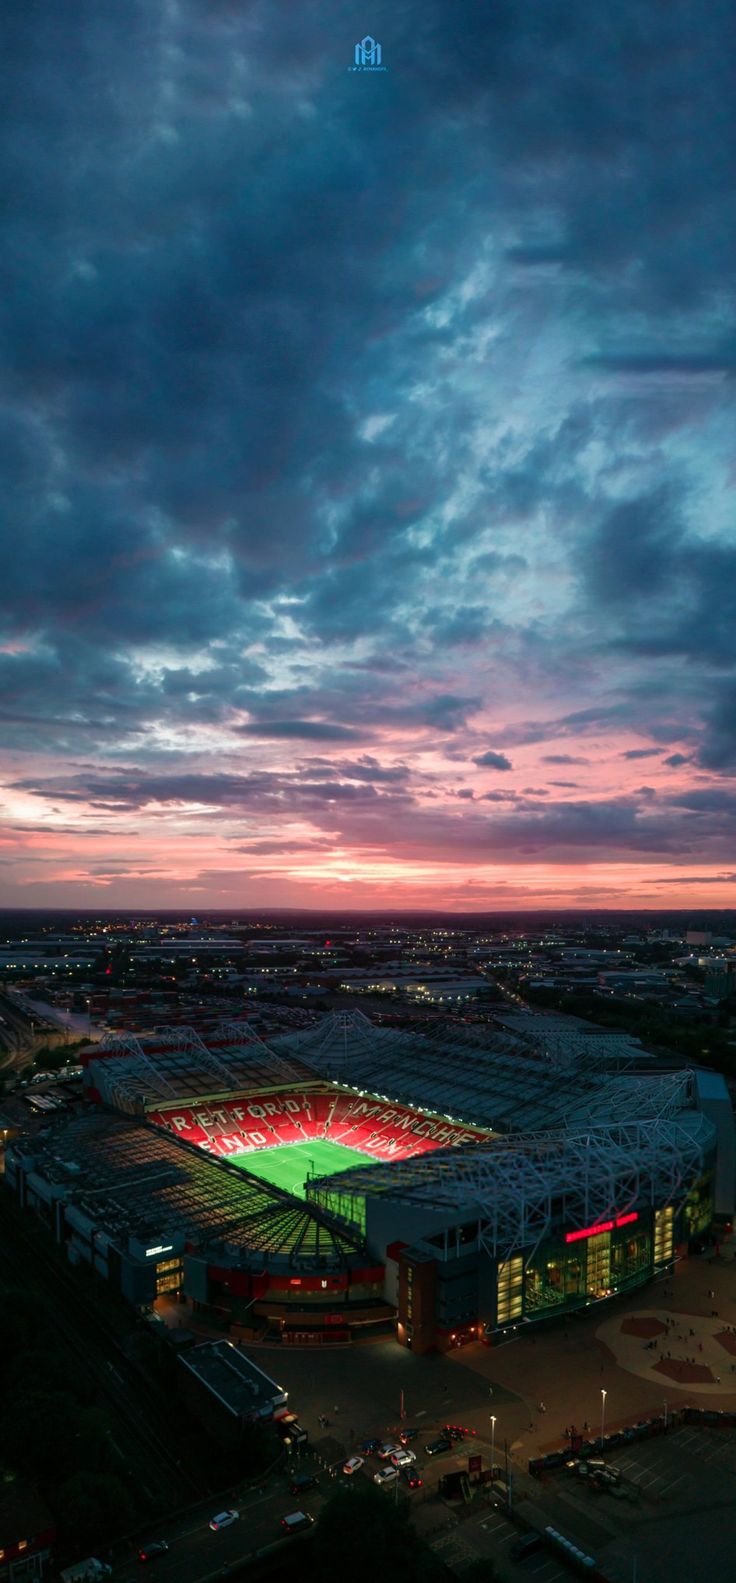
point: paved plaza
(681, 1519)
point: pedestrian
(336, 1409)
(718, 1379)
(585, 1427)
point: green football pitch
(290, 1165)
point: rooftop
(510, 1080)
(134, 1074)
(143, 1186)
(242, 1388)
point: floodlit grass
(289, 1165)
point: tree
(94, 1506)
(366, 1534)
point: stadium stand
(264, 1120)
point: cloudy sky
(368, 452)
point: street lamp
(603, 1413)
(493, 1447)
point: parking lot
(680, 1527)
(499, 1535)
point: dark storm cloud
(491, 760)
(261, 791)
(369, 769)
(668, 592)
(718, 751)
(314, 730)
(316, 411)
(382, 820)
(707, 800)
(569, 831)
(697, 879)
(643, 753)
(70, 689)
(562, 758)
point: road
(195, 1551)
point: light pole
(603, 1413)
(493, 1448)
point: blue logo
(368, 56)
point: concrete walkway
(568, 1366)
(685, 1351)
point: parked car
(407, 1435)
(352, 1465)
(223, 1520)
(403, 1459)
(455, 1432)
(369, 1446)
(385, 1475)
(436, 1447)
(412, 1478)
(605, 1478)
(386, 1450)
(296, 1522)
(150, 1552)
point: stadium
(346, 1179)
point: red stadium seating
(374, 1127)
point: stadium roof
(506, 1082)
(139, 1183)
(583, 1134)
(519, 1187)
(175, 1064)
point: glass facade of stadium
(449, 1289)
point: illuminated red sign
(603, 1225)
